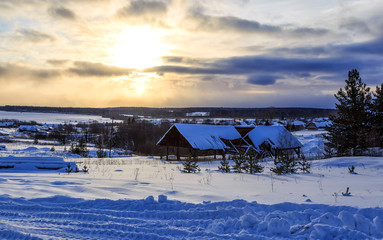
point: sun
(138, 48)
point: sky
(174, 53)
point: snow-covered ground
(313, 144)
(51, 118)
(147, 198)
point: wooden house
(274, 140)
(311, 126)
(200, 137)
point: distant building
(198, 114)
(29, 128)
(7, 124)
(311, 126)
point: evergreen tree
(252, 164)
(190, 165)
(350, 127)
(377, 118)
(239, 162)
(225, 167)
(284, 164)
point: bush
(68, 168)
(80, 148)
(225, 167)
(252, 164)
(239, 162)
(85, 169)
(304, 165)
(284, 164)
(190, 165)
(101, 153)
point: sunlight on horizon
(138, 48)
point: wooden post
(178, 154)
(167, 153)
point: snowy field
(51, 118)
(148, 198)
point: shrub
(85, 169)
(190, 165)
(225, 167)
(239, 162)
(284, 164)
(252, 164)
(304, 165)
(68, 168)
(351, 170)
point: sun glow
(138, 48)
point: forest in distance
(214, 112)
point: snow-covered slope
(71, 218)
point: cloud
(144, 12)
(229, 23)
(62, 12)
(143, 8)
(373, 47)
(265, 70)
(35, 36)
(90, 69)
(262, 79)
(12, 72)
(355, 25)
(56, 62)
(209, 23)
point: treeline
(138, 137)
(358, 125)
(118, 112)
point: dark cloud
(185, 60)
(374, 47)
(262, 79)
(267, 69)
(11, 72)
(62, 12)
(304, 51)
(90, 69)
(229, 23)
(143, 8)
(234, 24)
(56, 62)
(355, 25)
(35, 36)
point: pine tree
(190, 165)
(239, 162)
(350, 127)
(377, 115)
(284, 164)
(225, 167)
(252, 164)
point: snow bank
(73, 218)
(27, 164)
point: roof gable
(204, 137)
(277, 136)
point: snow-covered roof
(323, 124)
(277, 136)
(30, 128)
(298, 123)
(6, 124)
(204, 137)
